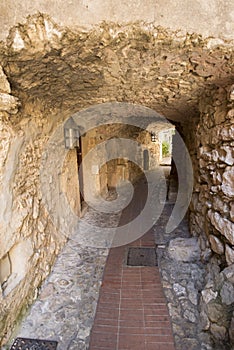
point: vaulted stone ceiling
(67, 70)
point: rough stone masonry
(48, 73)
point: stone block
(216, 244)
(228, 272)
(8, 103)
(5, 269)
(205, 322)
(219, 332)
(226, 155)
(220, 116)
(231, 93)
(19, 256)
(184, 249)
(227, 293)
(4, 84)
(209, 295)
(223, 225)
(227, 133)
(229, 254)
(228, 182)
(231, 330)
(232, 211)
(220, 206)
(215, 311)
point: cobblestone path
(134, 303)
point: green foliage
(165, 149)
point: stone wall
(51, 72)
(212, 207)
(29, 241)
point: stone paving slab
(66, 306)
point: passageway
(106, 78)
(132, 310)
(132, 304)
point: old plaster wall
(49, 73)
(120, 168)
(210, 17)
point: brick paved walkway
(132, 311)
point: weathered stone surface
(232, 211)
(229, 253)
(8, 103)
(227, 155)
(212, 209)
(218, 332)
(42, 34)
(56, 72)
(189, 315)
(65, 308)
(4, 83)
(228, 182)
(5, 269)
(205, 322)
(231, 330)
(184, 249)
(209, 295)
(223, 225)
(220, 206)
(227, 133)
(215, 312)
(227, 293)
(229, 273)
(231, 93)
(216, 244)
(179, 290)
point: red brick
(106, 322)
(107, 329)
(158, 346)
(104, 337)
(131, 323)
(107, 314)
(131, 330)
(158, 331)
(158, 338)
(102, 343)
(130, 341)
(157, 318)
(157, 324)
(131, 304)
(131, 315)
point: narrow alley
(96, 300)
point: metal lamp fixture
(153, 137)
(71, 134)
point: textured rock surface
(54, 72)
(211, 216)
(182, 282)
(182, 249)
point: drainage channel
(34, 344)
(141, 256)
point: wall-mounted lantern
(71, 134)
(153, 137)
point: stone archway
(55, 72)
